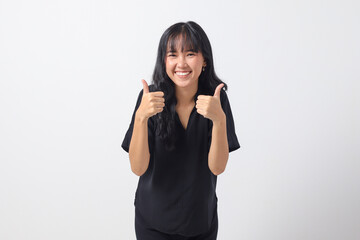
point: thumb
(145, 86)
(218, 89)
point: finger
(203, 97)
(202, 102)
(145, 86)
(156, 104)
(203, 106)
(218, 89)
(201, 112)
(158, 94)
(158, 99)
(159, 109)
(159, 105)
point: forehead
(181, 43)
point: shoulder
(223, 96)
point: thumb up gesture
(210, 106)
(151, 102)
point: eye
(191, 54)
(171, 55)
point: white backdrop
(70, 74)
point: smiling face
(183, 64)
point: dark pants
(144, 233)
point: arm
(139, 149)
(219, 149)
(139, 154)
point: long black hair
(193, 37)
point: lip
(183, 76)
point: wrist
(140, 118)
(220, 121)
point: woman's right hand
(151, 102)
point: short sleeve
(126, 141)
(230, 125)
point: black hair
(193, 37)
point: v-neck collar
(189, 119)
(191, 113)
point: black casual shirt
(176, 194)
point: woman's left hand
(210, 106)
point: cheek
(169, 65)
(199, 65)
(169, 68)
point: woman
(179, 139)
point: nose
(182, 62)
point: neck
(185, 96)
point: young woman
(179, 139)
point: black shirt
(176, 194)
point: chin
(184, 84)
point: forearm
(219, 148)
(139, 147)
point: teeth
(182, 73)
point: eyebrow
(189, 50)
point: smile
(182, 73)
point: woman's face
(184, 68)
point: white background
(70, 75)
